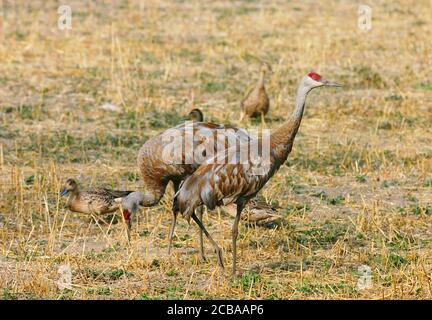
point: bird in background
(256, 103)
(96, 201)
(195, 115)
(218, 183)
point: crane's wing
(221, 180)
(193, 143)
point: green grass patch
(324, 235)
(331, 288)
(424, 86)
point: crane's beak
(63, 192)
(330, 84)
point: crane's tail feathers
(185, 202)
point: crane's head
(314, 80)
(130, 205)
(69, 186)
(195, 115)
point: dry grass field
(355, 191)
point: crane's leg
(201, 240)
(262, 119)
(214, 244)
(240, 206)
(171, 233)
(173, 218)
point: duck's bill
(331, 84)
(63, 192)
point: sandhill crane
(157, 172)
(92, 200)
(215, 183)
(256, 102)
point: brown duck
(195, 115)
(92, 200)
(256, 211)
(256, 102)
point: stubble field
(356, 191)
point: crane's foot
(202, 258)
(234, 273)
(170, 245)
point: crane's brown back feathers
(157, 172)
(215, 183)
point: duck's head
(69, 186)
(195, 115)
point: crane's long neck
(282, 138)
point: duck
(256, 102)
(256, 211)
(195, 115)
(92, 200)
